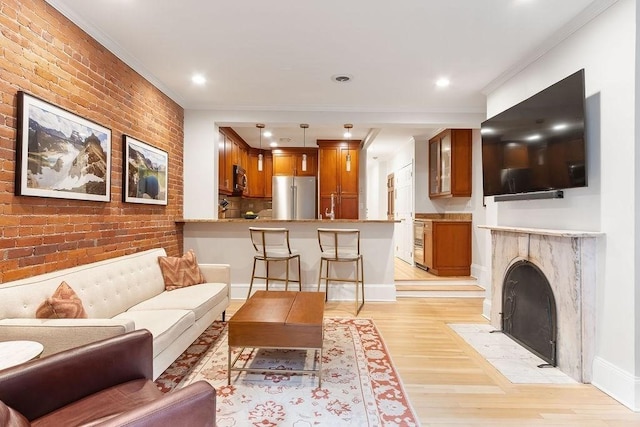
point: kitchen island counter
(327, 222)
(227, 241)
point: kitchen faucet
(331, 214)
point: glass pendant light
(260, 126)
(304, 127)
(347, 134)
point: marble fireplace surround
(568, 260)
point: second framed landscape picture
(145, 173)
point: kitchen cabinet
(256, 179)
(446, 247)
(232, 150)
(225, 165)
(268, 175)
(335, 179)
(288, 161)
(450, 164)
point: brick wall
(44, 54)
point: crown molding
(113, 47)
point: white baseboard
(337, 292)
(486, 308)
(617, 383)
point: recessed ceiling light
(273, 144)
(198, 79)
(443, 82)
(560, 126)
(534, 137)
(341, 78)
(267, 134)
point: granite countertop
(443, 217)
(322, 221)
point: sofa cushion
(179, 272)
(200, 299)
(63, 304)
(165, 325)
(101, 406)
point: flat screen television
(537, 145)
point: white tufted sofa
(119, 295)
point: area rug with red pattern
(360, 385)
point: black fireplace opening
(529, 310)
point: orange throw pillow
(180, 272)
(63, 304)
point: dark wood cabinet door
(255, 178)
(348, 207)
(450, 164)
(284, 164)
(311, 164)
(268, 175)
(328, 174)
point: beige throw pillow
(180, 272)
(63, 304)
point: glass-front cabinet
(450, 164)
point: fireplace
(565, 261)
(529, 310)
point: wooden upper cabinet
(268, 175)
(289, 161)
(255, 178)
(335, 179)
(232, 150)
(225, 165)
(450, 164)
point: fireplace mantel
(568, 260)
(543, 231)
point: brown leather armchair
(106, 383)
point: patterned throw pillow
(63, 304)
(180, 272)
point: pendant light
(260, 126)
(347, 134)
(304, 127)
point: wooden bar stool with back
(341, 246)
(272, 245)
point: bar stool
(272, 245)
(341, 246)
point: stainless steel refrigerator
(294, 197)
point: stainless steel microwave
(239, 179)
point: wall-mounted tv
(537, 145)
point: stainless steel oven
(418, 243)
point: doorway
(403, 206)
(391, 196)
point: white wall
(201, 176)
(605, 48)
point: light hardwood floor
(450, 384)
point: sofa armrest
(57, 380)
(216, 273)
(194, 405)
(62, 334)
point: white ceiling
(272, 61)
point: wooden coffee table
(278, 319)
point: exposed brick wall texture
(46, 55)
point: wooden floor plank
(450, 384)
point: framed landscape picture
(60, 154)
(145, 173)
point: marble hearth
(568, 260)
